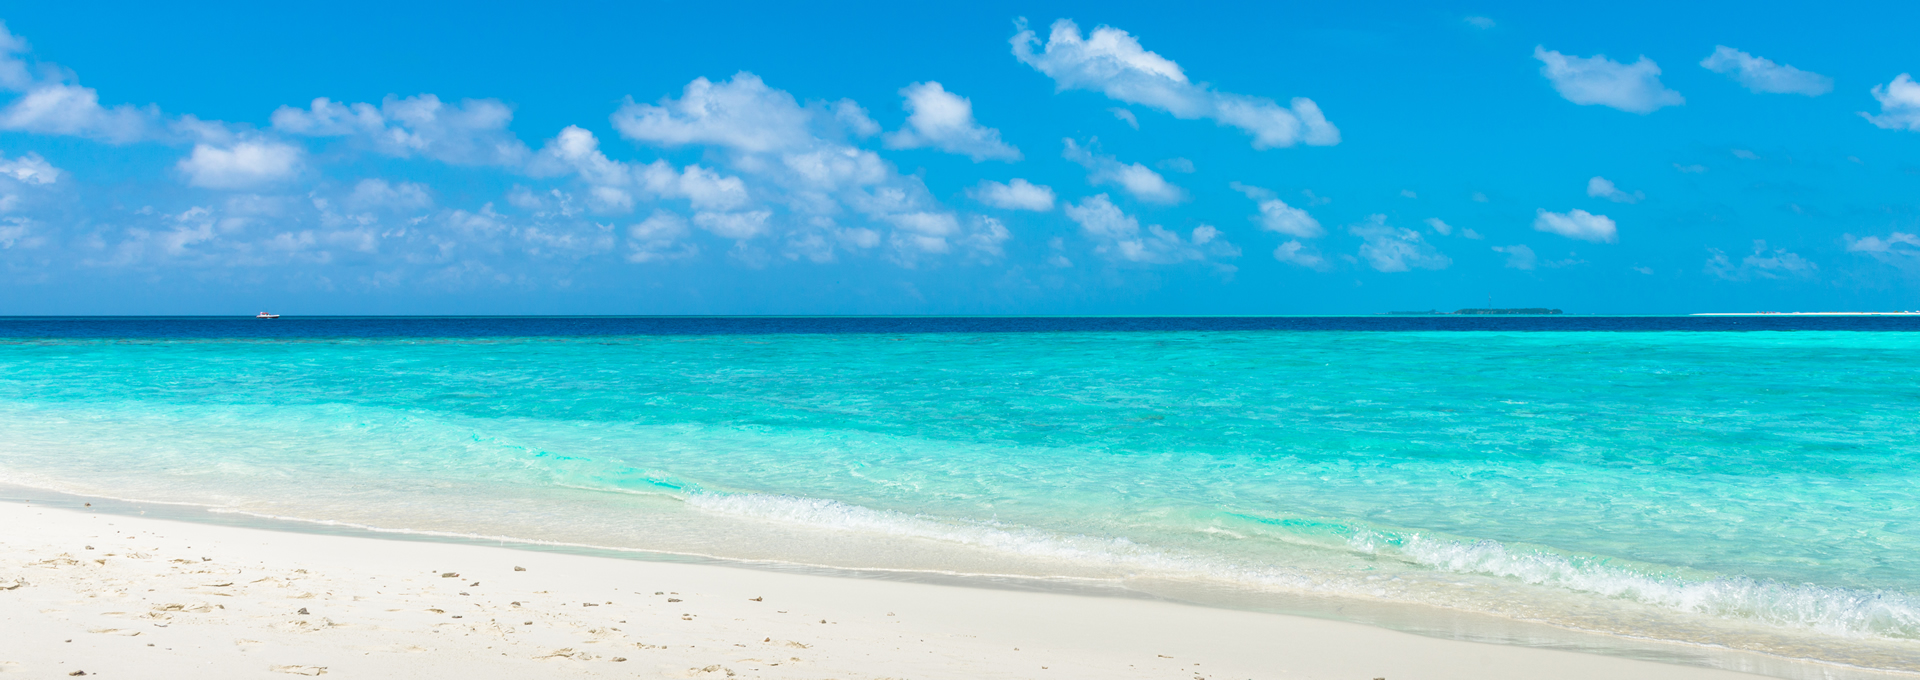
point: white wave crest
(1834, 611)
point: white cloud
(1117, 235)
(1278, 217)
(67, 109)
(612, 185)
(1632, 87)
(26, 172)
(1111, 61)
(1408, 193)
(1481, 23)
(797, 158)
(1442, 228)
(1125, 116)
(1392, 249)
(1764, 76)
(30, 168)
(1295, 252)
(1899, 104)
(1777, 264)
(739, 226)
(1900, 249)
(1601, 187)
(741, 114)
(1576, 224)
(1138, 180)
(473, 132)
(986, 239)
(1180, 165)
(1894, 242)
(17, 230)
(1694, 169)
(1016, 195)
(1470, 234)
(52, 103)
(14, 75)
(378, 193)
(1518, 257)
(659, 238)
(244, 165)
(944, 120)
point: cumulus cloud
(243, 165)
(18, 177)
(14, 74)
(1576, 224)
(1439, 226)
(1591, 80)
(657, 238)
(1899, 104)
(1295, 252)
(69, 109)
(1601, 187)
(371, 194)
(52, 102)
(1518, 257)
(18, 231)
(1278, 217)
(1775, 264)
(29, 168)
(1900, 249)
(796, 162)
(1018, 194)
(1392, 249)
(613, 185)
(738, 226)
(1111, 61)
(1139, 180)
(1125, 116)
(1118, 236)
(472, 132)
(1762, 75)
(986, 239)
(944, 120)
(742, 114)
(1894, 242)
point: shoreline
(1227, 642)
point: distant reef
(1517, 310)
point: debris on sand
(299, 670)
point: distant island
(1515, 310)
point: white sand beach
(122, 596)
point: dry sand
(120, 596)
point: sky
(957, 158)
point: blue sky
(998, 158)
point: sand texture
(120, 596)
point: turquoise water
(1751, 490)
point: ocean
(1726, 483)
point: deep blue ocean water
(1750, 482)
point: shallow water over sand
(1755, 490)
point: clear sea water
(1749, 483)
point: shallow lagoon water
(1749, 486)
